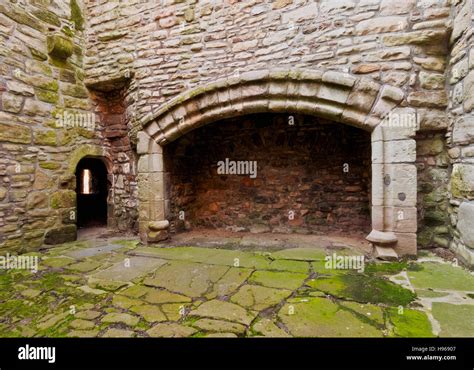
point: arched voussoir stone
(338, 96)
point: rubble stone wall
(311, 177)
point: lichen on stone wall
(76, 15)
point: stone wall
(461, 132)
(312, 176)
(36, 84)
(48, 122)
(123, 61)
(172, 46)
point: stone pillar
(153, 225)
(394, 184)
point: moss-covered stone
(58, 262)
(47, 96)
(48, 165)
(258, 297)
(76, 15)
(443, 276)
(364, 288)
(15, 133)
(84, 266)
(67, 31)
(462, 181)
(410, 323)
(149, 312)
(63, 199)
(390, 268)
(77, 91)
(281, 280)
(46, 16)
(21, 16)
(61, 235)
(59, 46)
(45, 138)
(455, 320)
(320, 317)
(301, 254)
(37, 54)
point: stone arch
(338, 96)
(88, 150)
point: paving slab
(150, 313)
(276, 279)
(301, 254)
(94, 251)
(320, 317)
(188, 278)
(219, 326)
(442, 276)
(130, 269)
(258, 297)
(229, 283)
(455, 320)
(267, 328)
(211, 256)
(217, 309)
(170, 330)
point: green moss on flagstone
(118, 333)
(291, 266)
(118, 317)
(136, 291)
(388, 268)
(88, 315)
(57, 262)
(443, 276)
(410, 323)
(157, 296)
(267, 328)
(81, 324)
(211, 325)
(83, 334)
(108, 285)
(188, 278)
(229, 283)
(217, 309)
(426, 293)
(274, 279)
(258, 297)
(207, 255)
(150, 313)
(84, 266)
(301, 254)
(125, 302)
(170, 330)
(319, 317)
(455, 320)
(174, 311)
(364, 288)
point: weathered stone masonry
(153, 71)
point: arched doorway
(92, 191)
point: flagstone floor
(111, 287)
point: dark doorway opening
(91, 190)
